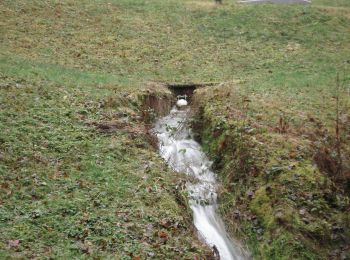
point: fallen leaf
(162, 234)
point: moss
(261, 206)
(285, 246)
(167, 204)
(284, 206)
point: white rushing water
(183, 154)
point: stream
(183, 154)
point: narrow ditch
(183, 154)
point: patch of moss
(261, 206)
(282, 204)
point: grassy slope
(273, 193)
(60, 60)
(266, 134)
(69, 189)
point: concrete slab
(275, 2)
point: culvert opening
(186, 90)
(157, 103)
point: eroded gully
(183, 154)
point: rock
(302, 212)
(236, 214)
(151, 254)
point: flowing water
(183, 154)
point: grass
(68, 66)
(67, 187)
(280, 190)
(59, 74)
(188, 44)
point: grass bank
(73, 151)
(79, 178)
(277, 193)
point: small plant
(170, 129)
(332, 154)
(338, 144)
(341, 131)
(283, 123)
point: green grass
(68, 190)
(59, 74)
(176, 42)
(280, 193)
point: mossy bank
(274, 194)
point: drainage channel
(183, 154)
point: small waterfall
(184, 154)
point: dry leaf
(162, 234)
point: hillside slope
(78, 174)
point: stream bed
(183, 154)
